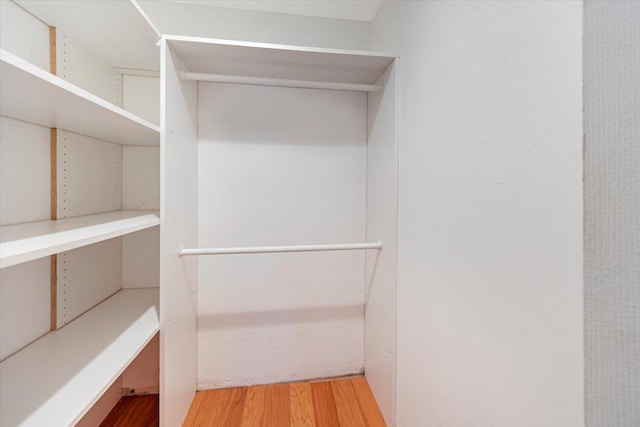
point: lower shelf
(58, 378)
(25, 242)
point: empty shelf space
(26, 242)
(272, 61)
(36, 96)
(59, 377)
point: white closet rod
(222, 78)
(279, 249)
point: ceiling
(357, 10)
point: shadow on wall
(280, 317)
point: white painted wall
(25, 172)
(280, 166)
(612, 213)
(356, 10)
(140, 177)
(248, 25)
(86, 69)
(86, 277)
(24, 35)
(89, 175)
(382, 225)
(141, 259)
(141, 96)
(490, 212)
(24, 285)
(141, 190)
(141, 187)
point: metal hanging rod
(279, 249)
(222, 78)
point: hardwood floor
(134, 411)
(338, 403)
(344, 402)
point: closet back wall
(280, 166)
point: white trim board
(35, 96)
(25, 242)
(265, 60)
(60, 376)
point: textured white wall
(612, 213)
(490, 322)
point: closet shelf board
(264, 60)
(26, 242)
(34, 95)
(59, 377)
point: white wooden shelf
(57, 379)
(263, 60)
(26, 242)
(36, 96)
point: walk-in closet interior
(319, 213)
(183, 213)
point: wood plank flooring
(338, 403)
(134, 411)
(344, 402)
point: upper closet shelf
(36, 96)
(26, 242)
(58, 378)
(272, 61)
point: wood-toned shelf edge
(27, 242)
(63, 374)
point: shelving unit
(261, 124)
(26, 242)
(61, 375)
(80, 244)
(35, 96)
